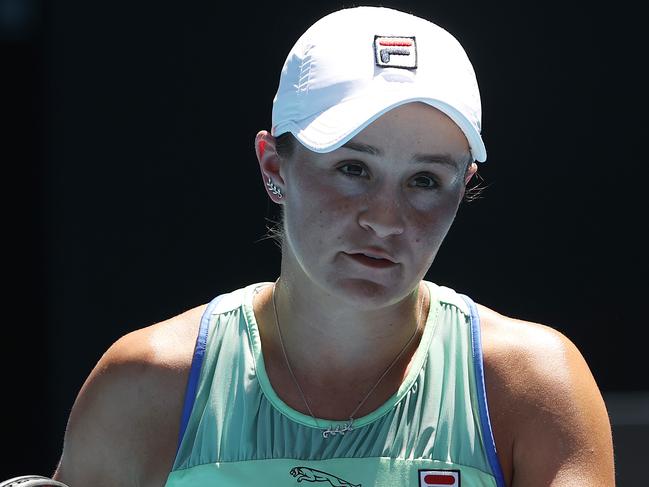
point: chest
(340, 396)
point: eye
(352, 169)
(424, 181)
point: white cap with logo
(355, 64)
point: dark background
(131, 190)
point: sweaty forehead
(414, 131)
(413, 128)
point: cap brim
(328, 130)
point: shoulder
(536, 347)
(548, 415)
(534, 361)
(150, 359)
(126, 417)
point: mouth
(371, 259)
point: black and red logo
(395, 52)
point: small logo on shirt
(439, 478)
(395, 52)
(312, 475)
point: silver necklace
(338, 429)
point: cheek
(430, 222)
(320, 212)
(314, 209)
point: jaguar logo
(312, 475)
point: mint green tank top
(434, 431)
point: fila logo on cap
(439, 478)
(395, 52)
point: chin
(366, 293)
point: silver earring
(273, 188)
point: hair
(285, 145)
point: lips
(371, 257)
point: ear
(470, 171)
(270, 164)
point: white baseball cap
(355, 64)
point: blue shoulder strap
(485, 423)
(197, 363)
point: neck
(344, 337)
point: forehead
(411, 131)
(417, 123)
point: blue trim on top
(489, 442)
(195, 372)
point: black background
(131, 189)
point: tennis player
(349, 368)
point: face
(364, 222)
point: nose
(382, 215)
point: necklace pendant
(338, 430)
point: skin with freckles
(396, 199)
(363, 224)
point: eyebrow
(442, 158)
(369, 149)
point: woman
(350, 369)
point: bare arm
(566, 439)
(123, 427)
(103, 435)
(559, 431)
